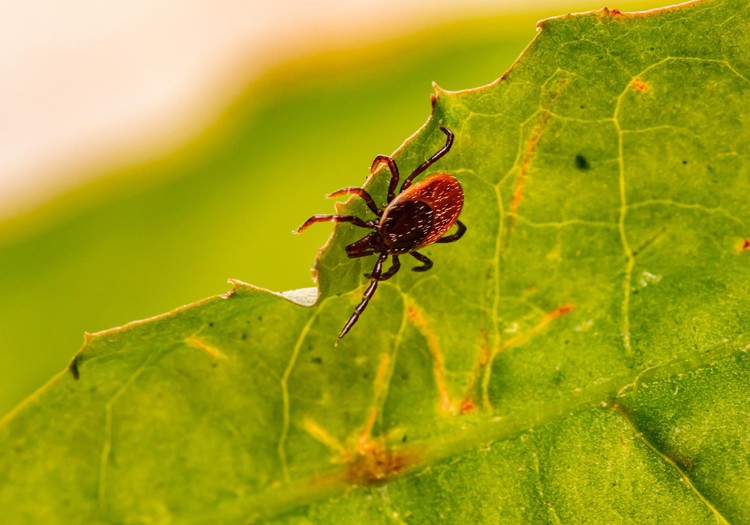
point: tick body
(419, 215)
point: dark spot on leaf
(260, 318)
(582, 106)
(567, 341)
(73, 367)
(244, 336)
(211, 324)
(563, 310)
(317, 360)
(684, 162)
(467, 406)
(403, 439)
(375, 464)
(582, 162)
(745, 245)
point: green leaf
(148, 237)
(579, 356)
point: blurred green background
(145, 239)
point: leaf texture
(580, 356)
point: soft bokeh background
(151, 150)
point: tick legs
(426, 262)
(361, 193)
(336, 218)
(456, 236)
(429, 162)
(395, 267)
(385, 159)
(369, 292)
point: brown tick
(418, 216)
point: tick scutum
(405, 225)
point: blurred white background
(86, 81)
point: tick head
(367, 245)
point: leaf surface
(163, 233)
(579, 356)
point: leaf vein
(107, 446)
(281, 448)
(620, 409)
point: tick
(419, 215)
